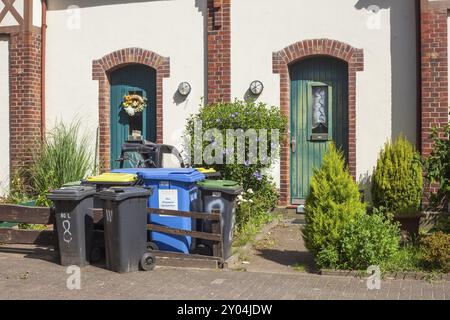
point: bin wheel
(148, 261)
(204, 250)
(96, 254)
(152, 246)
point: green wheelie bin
(218, 195)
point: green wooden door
(319, 115)
(132, 79)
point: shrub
(436, 251)
(443, 223)
(65, 157)
(407, 258)
(397, 182)
(333, 202)
(253, 210)
(328, 257)
(239, 115)
(438, 165)
(18, 190)
(371, 240)
(256, 203)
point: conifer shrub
(333, 203)
(397, 183)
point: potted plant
(397, 186)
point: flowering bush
(134, 103)
(238, 115)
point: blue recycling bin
(173, 189)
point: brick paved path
(25, 277)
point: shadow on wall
(202, 6)
(403, 62)
(65, 4)
(365, 187)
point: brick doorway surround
(305, 49)
(102, 68)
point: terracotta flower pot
(409, 224)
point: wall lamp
(184, 89)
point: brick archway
(102, 68)
(305, 49)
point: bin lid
(124, 193)
(206, 170)
(73, 193)
(163, 174)
(227, 186)
(111, 177)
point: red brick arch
(305, 49)
(102, 68)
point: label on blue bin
(168, 199)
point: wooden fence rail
(46, 216)
(28, 215)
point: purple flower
(258, 175)
(247, 163)
(226, 151)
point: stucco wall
(386, 90)
(4, 114)
(9, 19)
(37, 13)
(78, 36)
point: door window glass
(320, 96)
(319, 109)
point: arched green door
(319, 115)
(131, 79)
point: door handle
(293, 145)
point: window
(320, 96)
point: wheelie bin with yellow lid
(209, 173)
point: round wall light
(184, 89)
(256, 87)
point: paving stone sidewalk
(28, 276)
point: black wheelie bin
(125, 222)
(74, 224)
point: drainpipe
(43, 57)
(419, 73)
